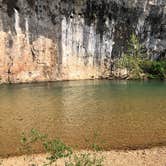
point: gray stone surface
(48, 40)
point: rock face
(48, 40)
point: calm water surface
(123, 114)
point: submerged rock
(65, 40)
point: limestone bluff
(48, 40)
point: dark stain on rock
(11, 4)
(10, 42)
(155, 19)
(96, 12)
(31, 3)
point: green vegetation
(56, 149)
(85, 159)
(154, 69)
(137, 62)
(132, 64)
(93, 143)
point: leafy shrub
(135, 49)
(154, 69)
(137, 62)
(57, 150)
(133, 57)
(28, 140)
(93, 143)
(85, 159)
(132, 64)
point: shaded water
(124, 114)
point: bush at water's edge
(136, 64)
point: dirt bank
(148, 157)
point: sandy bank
(148, 157)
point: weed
(57, 150)
(28, 140)
(85, 159)
(94, 143)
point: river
(115, 114)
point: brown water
(124, 114)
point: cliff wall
(48, 40)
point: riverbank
(147, 157)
